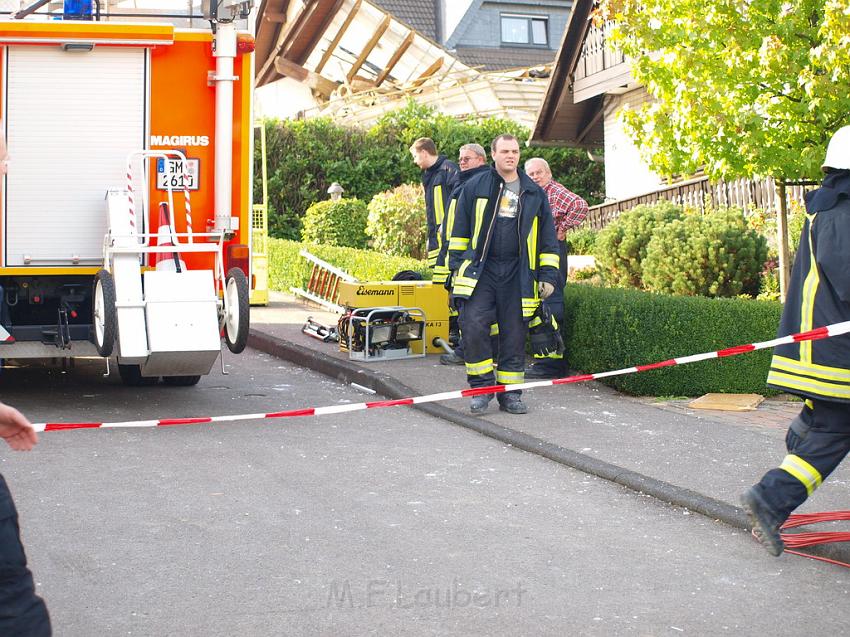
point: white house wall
(626, 175)
(283, 99)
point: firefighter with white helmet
(818, 438)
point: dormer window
(528, 30)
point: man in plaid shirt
(568, 211)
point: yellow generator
(431, 298)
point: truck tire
(104, 319)
(131, 375)
(236, 318)
(181, 381)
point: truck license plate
(177, 174)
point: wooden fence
(741, 193)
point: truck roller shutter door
(72, 117)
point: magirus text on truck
(126, 205)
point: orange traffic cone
(164, 260)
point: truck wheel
(236, 319)
(181, 381)
(131, 375)
(104, 318)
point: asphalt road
(388, 522)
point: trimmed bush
(609, 328)
(581, 241)
(709, 255)
(396, 222)
(621, 245)
(287, 268)
(336, 223)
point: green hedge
(305, 156)
(287, 269)
(613, 328)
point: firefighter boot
(765, 526)
(545, 369)
(479, 403)
(451, 359)
(511, 402)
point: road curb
(391, 388)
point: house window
(525, 29)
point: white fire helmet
(838, 151)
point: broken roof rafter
(349, 18)
(368, 48)
(389, 48)
(396, 56)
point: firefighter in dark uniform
(818, 439)
(503, 254)
(472, 159)
(439, 176)
(22, 612)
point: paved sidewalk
(698, 459)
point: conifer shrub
(714, 254)
(621, 246)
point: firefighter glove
(546, 289)
(543, 333)
(450, 281)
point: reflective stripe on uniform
(810, 288)
(449, 223)
(509, 378)
(439, 210)
(494, 329)
(441, 273)
(531, 242)
(824, 372)
(809, 385)
(480, 368)
(458, 244)
(803, 471)
(552, 260)
(480, 205)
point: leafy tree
(742, 87)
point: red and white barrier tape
(812, 335)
